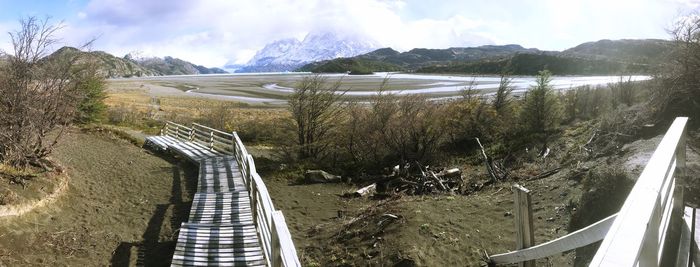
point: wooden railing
(272, 229)
(640, 234)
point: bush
(541, 114)
(680, 91)
(314, 107)
(469, 118)
(40, 93)
(391, 130)
(92, 107)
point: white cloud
(213, 32)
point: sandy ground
(122, 207)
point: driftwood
(370, 189)
(495, 168)
(489, 168)
(437, 181)
(545, 174)
(412, 179)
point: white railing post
(276, 258)
(191, 133)
(524, 229)
(211, 140)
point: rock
(319, 176)
(507, 213)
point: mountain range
(110, 66)
(290, 54)
(325, 52)
(600, 57)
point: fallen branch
(545, 174)
(438, 181)
(366, 190)
(489, 169)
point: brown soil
(122, 208)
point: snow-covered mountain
(290, 54)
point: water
(443, 86)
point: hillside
(420, 57)
(350, 65)
(531, 64)
(601, 57)
(648, 51)
(107, 65)
(110, 66)
(175, 66)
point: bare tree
(680, 90)
(39, 95)
(315, 109)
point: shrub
(392, 129)
(681, 83)
(39, 94)
(541, 114)
(92, 106)
(314, 109)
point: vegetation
(314, 109)
(594, 58)
(531, 64)
(92, 94)
(353, 66)
(40, 96)
(541, 114)
(679, 91)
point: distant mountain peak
(289, 54)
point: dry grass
(137, 109)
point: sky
(216, 32)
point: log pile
(413, 179)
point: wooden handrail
(273, 233)
(637, 235)
(194, 124)
(582, 237)
(639, 232)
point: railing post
(524, 230)
(177, 131)
(276, 259)
(675, 229)
(233, 144)
(256, 214)
(191, 133)
(211, 140)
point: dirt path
(122, 208)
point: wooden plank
(210, 129)
(623, 243)
(524, 229)
(684, 256)
(582, 237)
(288, 253)
(695, 238)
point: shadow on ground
(157, 247)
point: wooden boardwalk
(224, 227)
